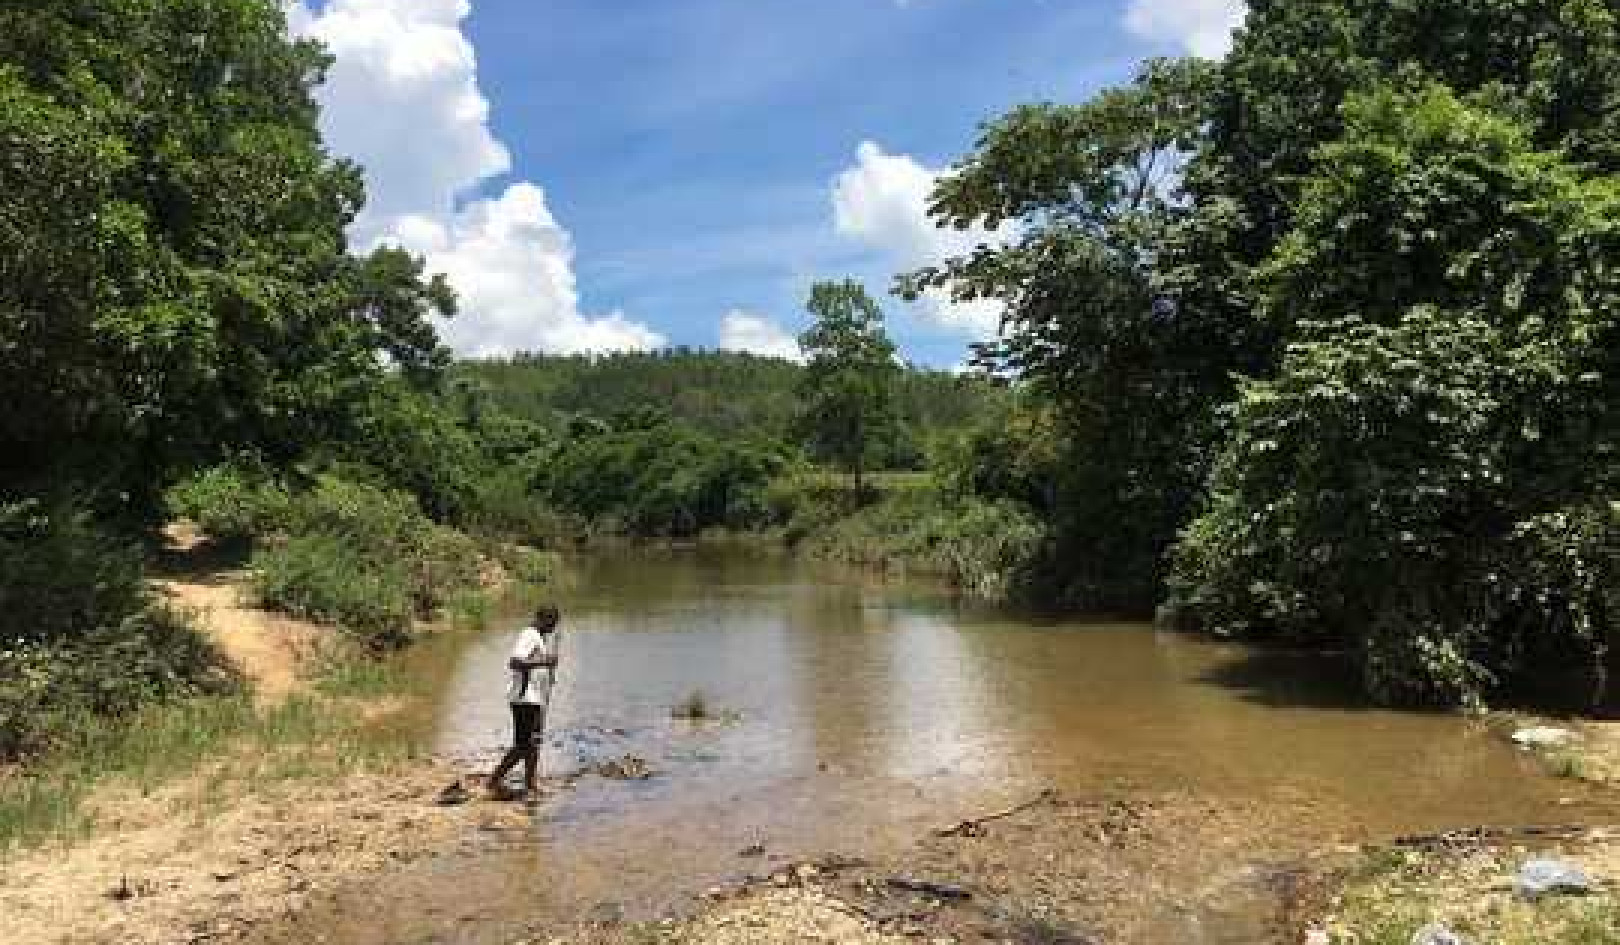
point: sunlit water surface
(861, 714)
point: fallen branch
(1496, 834)
(975, 826)
(930, 888)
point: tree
(175, 285)
(848, 385)
(1430, 475)
(1094, 193)
(1359, 347)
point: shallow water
(866, 713)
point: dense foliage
(987, 549)
(176, 291)
(175, 285)
(85, 636)
(664, 480)
(715, 392)
(362, 557)
(1092, 189)
(1393, 225)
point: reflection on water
(869, 714)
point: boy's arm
(541, 657)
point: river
(862, 713)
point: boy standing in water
(533, 664)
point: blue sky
(637, 172)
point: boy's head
(546, 618)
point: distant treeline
(716, 392)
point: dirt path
(271, 650)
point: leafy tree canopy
(175, 286)
(848, 385)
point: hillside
(718, 392)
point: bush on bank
(989, 549)
(1382, 492)
(350, 553)
(1431, 476)
(664, 480)
(364, 558)
(231, 503)
(81, 636)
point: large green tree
(848, 385)
(1374, 299)
(1431, 473)
(175, 285)
(1091, 191)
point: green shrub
(324, 578)
(988, 549)
(61, 578)
(1428, 493)
(505, 507)
(529, 565)
(231, 503)
(81, 637)
(364, 558)
(664, 480)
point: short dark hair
(546, 617)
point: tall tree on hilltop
(848, 386)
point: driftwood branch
(975, 826)
(930, 888)
(1498, 834)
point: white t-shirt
(531, 686)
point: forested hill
(720, 392)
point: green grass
(228, 739)
(1396, 893)
(1568, 764)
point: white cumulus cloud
(755, 334)
(881, 201)
(1201, 27)
(402, 99)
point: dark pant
(528, 723)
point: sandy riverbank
(243, 839)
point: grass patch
(694, 708)
(1396, 893)
(698, 707)
(324, 733)
(1567, 763)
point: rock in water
(1544, 875)
(1543, 736)
(1436, 934)
(626, 768)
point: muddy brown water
(866, 713)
